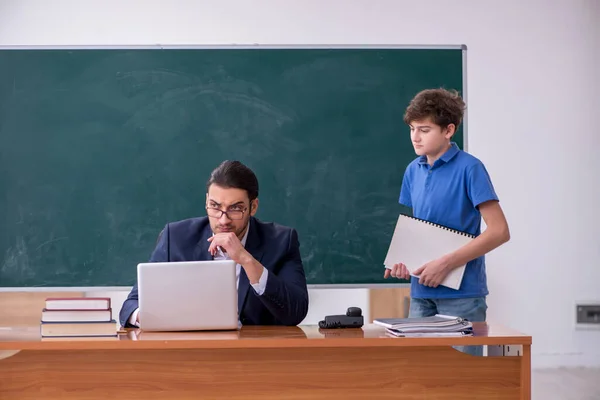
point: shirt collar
(447, 156)
(450, 153)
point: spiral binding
(441, 226)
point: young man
(449, 187)
(271, 281)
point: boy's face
(430, 139)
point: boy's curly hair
(443, 106)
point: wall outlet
(588, 316)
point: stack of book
(78, 317)
(435, 326)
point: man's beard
(231, 228)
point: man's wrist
(253, 268)
(246, 259)
(133, 318)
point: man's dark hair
(234, 174)
(444, 107)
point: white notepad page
(416, 242)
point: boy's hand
(398, 271)
(433, 273)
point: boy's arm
(482, 195)
(496, 233)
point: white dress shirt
(258, 287)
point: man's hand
(231, 245)
(398, 271)
(433, 273)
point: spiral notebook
(416, 242)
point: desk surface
(345, 363)
(28, 338)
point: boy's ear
(450, 131)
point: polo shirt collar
(447, 156)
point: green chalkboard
(101, 147)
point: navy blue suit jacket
(276, 247)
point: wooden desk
(261, 363)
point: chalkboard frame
(465, 124)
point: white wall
(533, 105)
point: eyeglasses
(231, 214)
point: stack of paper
(435, 326)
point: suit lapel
(254, 247)
(201, 250)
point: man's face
(236, 203)
(430, 139)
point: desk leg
(526, 373)
(524, 353)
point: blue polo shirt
(448, 194)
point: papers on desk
(416, 242)
(435, 326)
(394, 333)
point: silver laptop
(187, 296)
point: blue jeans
(474, 309)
